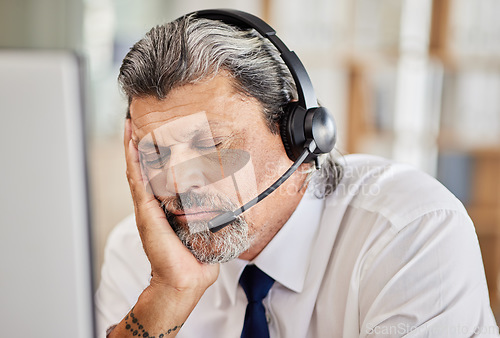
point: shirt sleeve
(427, 281)
(124, 275)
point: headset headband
(306, 96)
(304, 123)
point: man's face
(206, 149)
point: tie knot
(255, 283)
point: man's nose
(185, 171)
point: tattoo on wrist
(132, 324)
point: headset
(307, 130)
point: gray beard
(220, 247)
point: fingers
(134, 175)
(141, 197)
(149, 215)
(127, 135)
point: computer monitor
(45, 256)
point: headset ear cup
(285, 130)
(320, 126)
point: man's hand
(178, 278)
(172, 264)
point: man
(366, 248)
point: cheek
(270, 161)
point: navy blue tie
(256, 285)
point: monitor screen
(45, 256)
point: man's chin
(209, 253)
(220, 247)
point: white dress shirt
(390, 253)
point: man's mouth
(195, 214)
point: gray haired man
(362, 247)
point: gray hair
(189, 50)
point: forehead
(215, 99)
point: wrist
(185, 297)
(184, 285)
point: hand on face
(172, 264)
(197, 177)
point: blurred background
(417, 81)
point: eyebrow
(213, 125)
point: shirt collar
(286, 257)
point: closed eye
(209, 144)
(155, 160)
